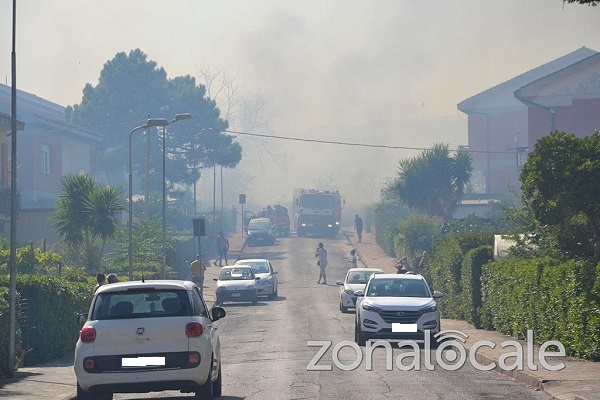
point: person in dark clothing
(358, 227)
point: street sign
(199, 227)
(243, 198)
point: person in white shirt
(353, 259)
(322, 263)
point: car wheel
(82, 394)
(274, 294)
(217, 385)
(342, 308)
(255, 301)
(206, 390)
(358, 336)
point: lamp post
(149, 123)
(178, 117)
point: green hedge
(471, 282)
(53, 305)
(444, 276)
(4, 324)
(556, 301)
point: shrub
(471, 282)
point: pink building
(504, 122)
(49, 148)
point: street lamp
(178, 117)
(149, 123)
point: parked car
(391, 299)
(236, 283)
(141, 337)
(262, 268)
(260, 231)
(356, 279)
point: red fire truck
(317, 211)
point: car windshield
(397, 288)
(359, 277)
(262, 225)
(141, 303)
(235, 274)
(258, 267)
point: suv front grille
(402, 317)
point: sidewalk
(578, 380)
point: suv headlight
(370, 307)
(429, 309)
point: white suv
(394, 306)
(148, 336)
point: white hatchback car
(396, 306)
(236, 283)
(148, 336)
(356, 279)
(262, 268)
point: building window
(46, 158)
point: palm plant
(86, 217)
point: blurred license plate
(235, 294)
(143, 362)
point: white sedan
(148, 336)
(356, 279)
(268, 282)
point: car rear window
(141, 304)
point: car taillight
(89, 363)
(87, 334)
(193, 329)
(194, 358)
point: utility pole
(12, 328)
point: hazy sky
(385, 72)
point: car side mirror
(215, 279)
(257, 278)
(437, 295)
(359, 293)
(82, 318)
(217, 313)
(339, 283)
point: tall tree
(434, 181)
(130, 89)
(561, 182)
(86, 217)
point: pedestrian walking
(197, 267)
(222, 246)
(353, 259)
(358, 227)
(322, 263)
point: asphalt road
(266, 356)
